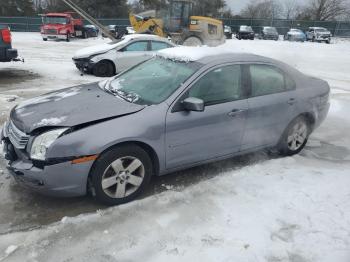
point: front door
(193, 137)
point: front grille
(17, 137)
(50, 31)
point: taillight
(6, 35)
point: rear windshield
(270, 30)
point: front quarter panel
(146, 126)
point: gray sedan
(172, 112)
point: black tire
(284, 147)
(45, 39)
(103, 163)
(68, 37)
(103, 68)
(85, 35)
(328, 41)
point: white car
(112, 58)
(319, 34)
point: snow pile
(54, 121)
(190, 54)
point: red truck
(62, 26)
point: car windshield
(55, 20)
(246, 28)
(152, 81)
(270, 30)
(296, 30)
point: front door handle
(291, 101)
(236, 112)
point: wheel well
(111, 62)
(310, 118)
(149, 150)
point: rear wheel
(192, 41)
(295, 137)
(121, 174)
(103, 69)
(45, 39)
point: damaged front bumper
(63, 179)
(84, 65)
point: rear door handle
(236, 112)
(291, 101)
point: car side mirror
(193, 104)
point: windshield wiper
(129, 97)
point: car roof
(317, 28)
(58, 14)
(145, 37)
(209, 55)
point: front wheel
(121, 174)
(68, 37)
(103, 69)
(295, 137)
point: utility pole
(273, 11)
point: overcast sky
(237, 5)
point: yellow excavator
(180, 25)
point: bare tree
(327, 9)
(291, 9)
(265, 9)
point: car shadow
(11, 76)
(27, 210)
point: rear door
(193, 137)
(133, 54)
(272, 103)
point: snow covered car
(269, 33)
(295, 35)
(245, 32)
(185, 107)
(110, 59)
(319, 34)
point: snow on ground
(253, 208)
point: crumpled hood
(70, 107)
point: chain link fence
(338, 28)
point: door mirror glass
(193, 104)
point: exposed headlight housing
(43, 142)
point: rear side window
(219, 86)
(266, 79)
(137, 46)
(159, 45)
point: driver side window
(219, 86)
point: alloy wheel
(297, 136)
(123, 177)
